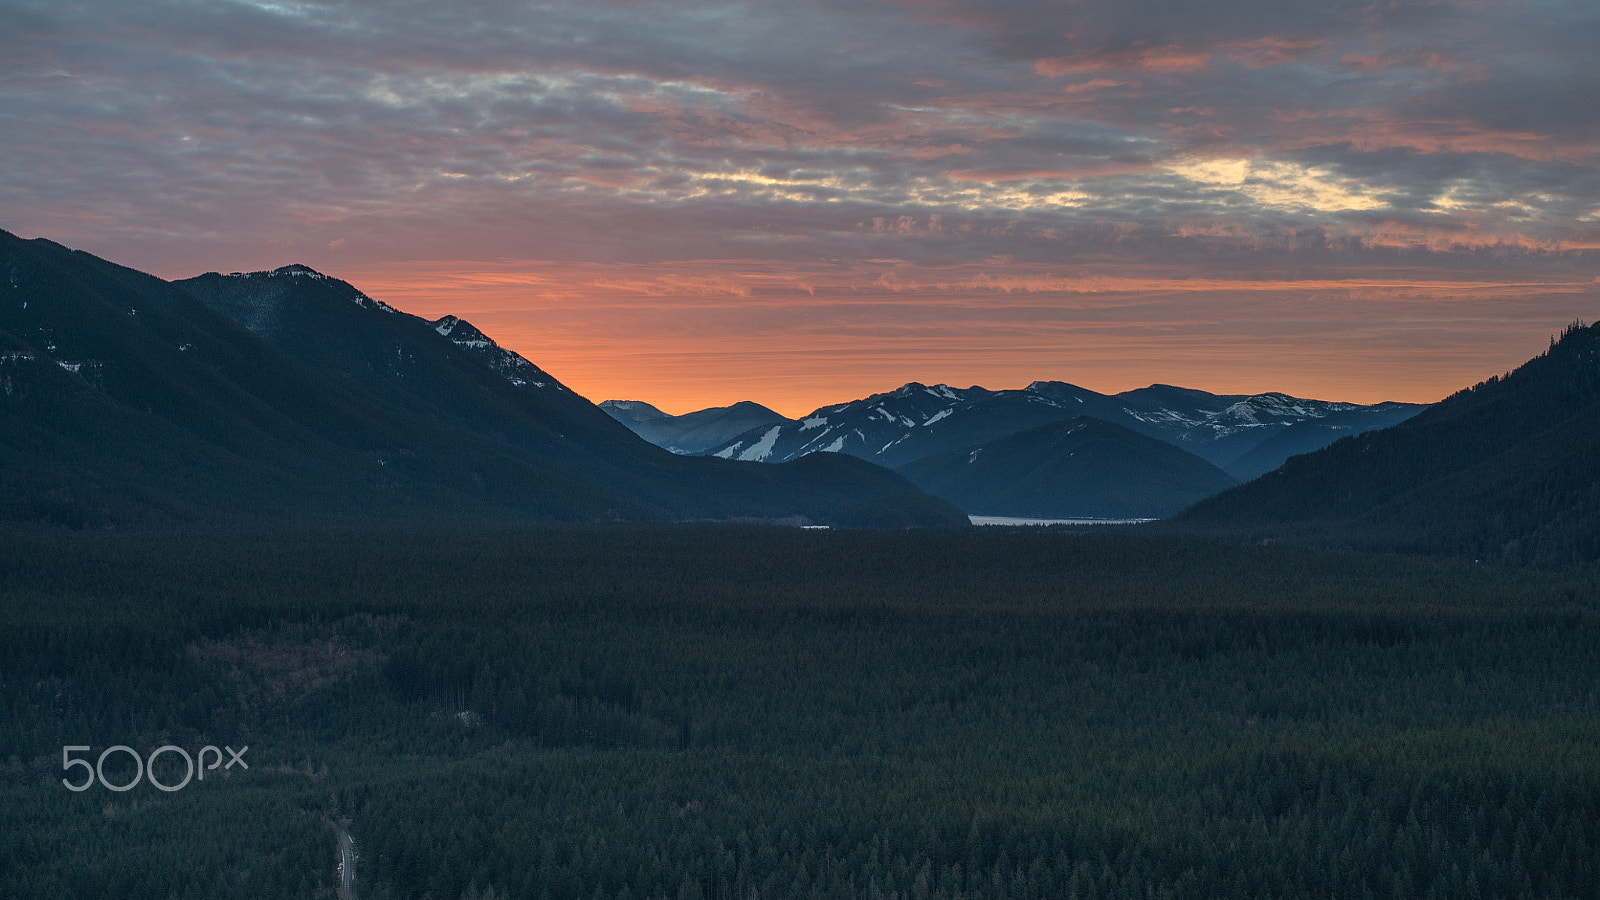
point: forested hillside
(1507, 469)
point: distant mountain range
(1506, 470)
(292, 396)
(923, 430)
(691, 433)
(916, 421)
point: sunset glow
(802, 203)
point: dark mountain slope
(1080, 468)
(178, 412)
(1496, 470)
(437, 372)
(128, 400)
(447, 370)
(1538, 503)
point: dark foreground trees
(717, 712)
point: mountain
(291, 396)
(1078, 468)
(867, 428)
(1219, 428)
(1240, 433)
(1508, 470)
(694, 432)
(917, 421)
(632, 412)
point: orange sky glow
(692, 335)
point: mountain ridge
(915, 421)
(129, 400)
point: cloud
(1234, 139)
(1167, 58)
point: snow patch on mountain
(509, 364)
(1161, 417)
(366, 302)
(761, 449)
(810, 445)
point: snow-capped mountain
(1208, 416)
(868, 428)
(916, 421)
(1224, 429)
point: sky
(802, 203)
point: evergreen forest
(714, 711)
